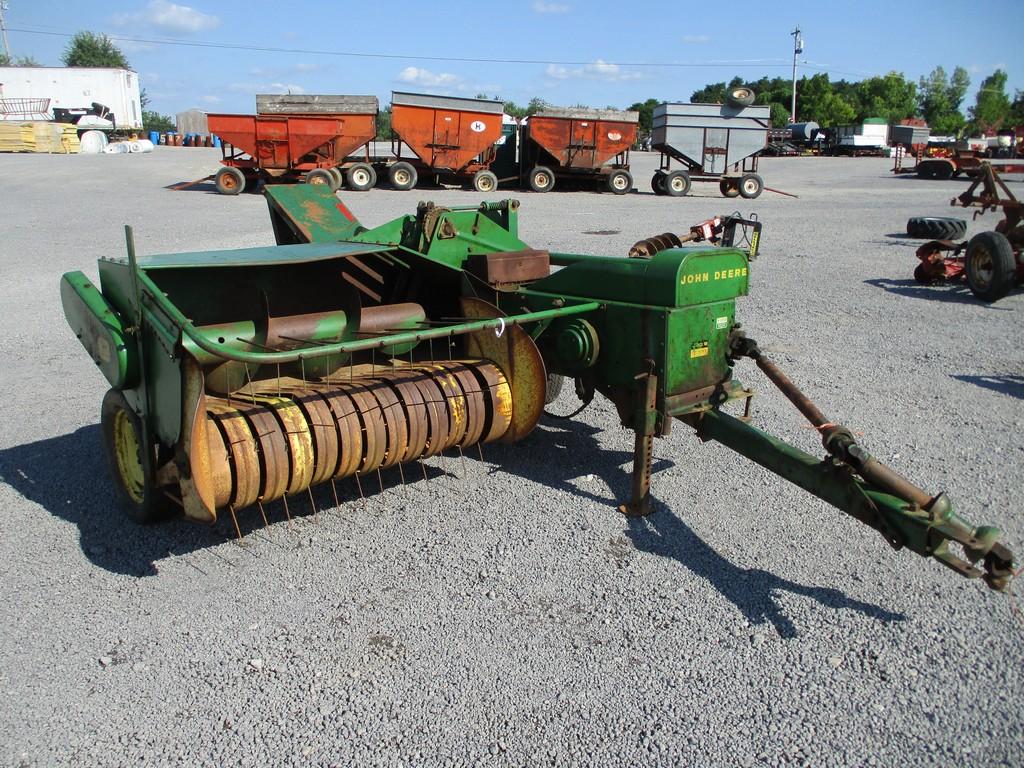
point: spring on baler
(274, 439)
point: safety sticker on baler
(721, 323)
(699, 349)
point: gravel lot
(503, 613)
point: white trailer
(71, 88)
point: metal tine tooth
(287, 511)
(278, 379)
(401, 474)
(462, 457)
(234, 519)
(480, 450)
(359, 485)
(380, 480)
(312, 503)
(334, 490)
(263, 513)
(423, 466)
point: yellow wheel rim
(128, 454)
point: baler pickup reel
(243, 377)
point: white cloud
(211, 99)
(424, 77)
(266, 88)
(169, 17)
(599, 70)
(692, 39)
(539, 6)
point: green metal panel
(251, 257)
(697, 340)
(313, 211)
(100, 329)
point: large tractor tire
(936, 227)
(990, 266)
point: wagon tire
(677, 183)
(658, 183)
(542, 179)
(321, 176)
(485, 182)
(339, 179)
(402, 176)
(131, 462)
(750, 186)
(361, 177)
(620, 182)
(740, 97)
(936, 227)
(553, 388)
(729, 188)
(990, 266)
(229, 180)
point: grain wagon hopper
(587, 144)
(242, 377)
(453, 139)
(712, 142)
(294, 138)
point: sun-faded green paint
(100, 329)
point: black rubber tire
(339, 178)
(740, 97)
(936, 170)
(936, 227)
(990, 266)
(229, 181)
(141, 499)
(485, 182)
(677, 183)
(729, 188)
(619, 182)
(402, 176)
(750, 185)
(321, 176)
(542, 179)
(553, 388)
(360, 177)
(658, 183)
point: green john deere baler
(246, 376)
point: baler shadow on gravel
(242, 377)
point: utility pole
(798, 48)
(3, 27)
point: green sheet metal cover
(268, 255)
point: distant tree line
(936, 99)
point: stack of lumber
(38, 136)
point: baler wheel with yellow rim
(131, 461)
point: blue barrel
(216, 140)
(154, 136)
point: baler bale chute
(240, 377)
(712, 142)
(578, 144)
(453, 139)
(292, 138)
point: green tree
(890, 97)
(939, 99)
(536, 105)
(88, 49)
(1017, 109)
(513, 109)
(817, 100)
(384, 132)
(646, 110)
(713, 93)
(154, 121)
(17, 61)
(992, 107)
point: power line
(411, 57)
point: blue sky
(599, 53)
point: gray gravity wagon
(713, 142)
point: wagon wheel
(542, 179)
(658, 183)
(402, 176)
(229, 180)
(321, 176)
(361, 177)
(990, 266)
(485, 182)
(729, 188)
(620, 182)
(750, 185)
(338, 178)
(677, 183)
(131, 461)
(740, 97)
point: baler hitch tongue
(880, 497)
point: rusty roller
(278, 439)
